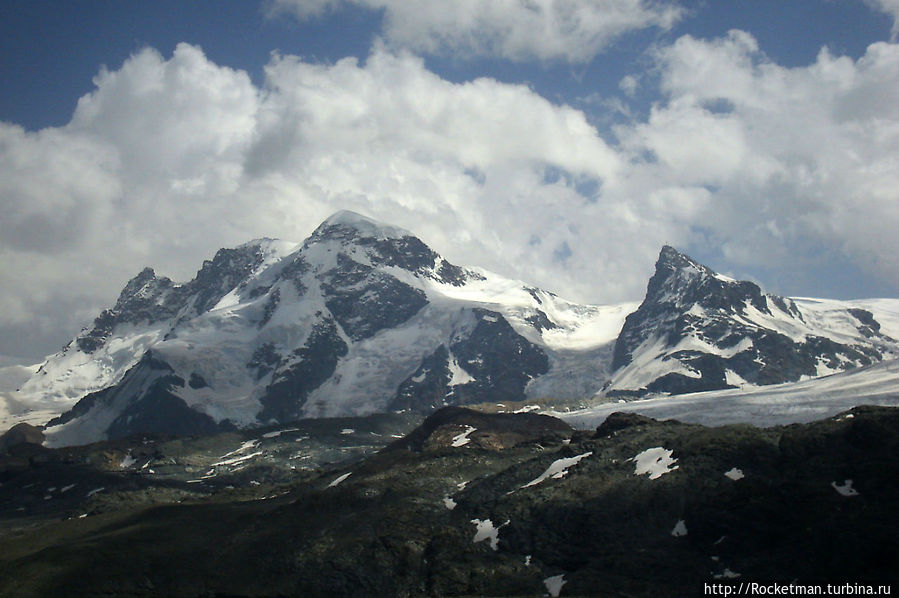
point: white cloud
(169, 159)
(551, 30)
(799, 159)
(629, 85)
(889, 7)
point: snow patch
(655, 461)
(237, 460)
(649, 364)
(463, 439)
(486, 531)
(554, 584)
(680, 529)
(457, 374)
(277, 433)
(340, 479)
(735, 379)
(845, 489)
(449, 503)
(558, 469)
(734, 474)
(249, 444)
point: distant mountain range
(364, 317)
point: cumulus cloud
(800, 159)
(170, 158)
(150, 154)
(551, 30)
(889, 7)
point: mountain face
(697, 330)
(365, 318)
(360, 318)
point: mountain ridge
(697, 330)
(359, 318)
(364, 317)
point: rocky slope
(468, 504)
(360, 318)
(697, 330)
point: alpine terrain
(363, 318)
(350, 416)
(697, 330)
(360, 318)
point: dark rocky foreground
(279, 516)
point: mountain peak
(345, 224)
(670, 259)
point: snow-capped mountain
(360, 318)
(363, 317)
(697, 330)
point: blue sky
(558, 143)
(51, 51)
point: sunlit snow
(340, 479)
(277, 433)
(239, 460)
(457, 374)
(486, 531)
(249, 444)
(463, 439)
(655, 461)
(774, 405)
(558, 469)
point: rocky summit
(360, 318)
(466, 504)
(697, 330)
(363, 317)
